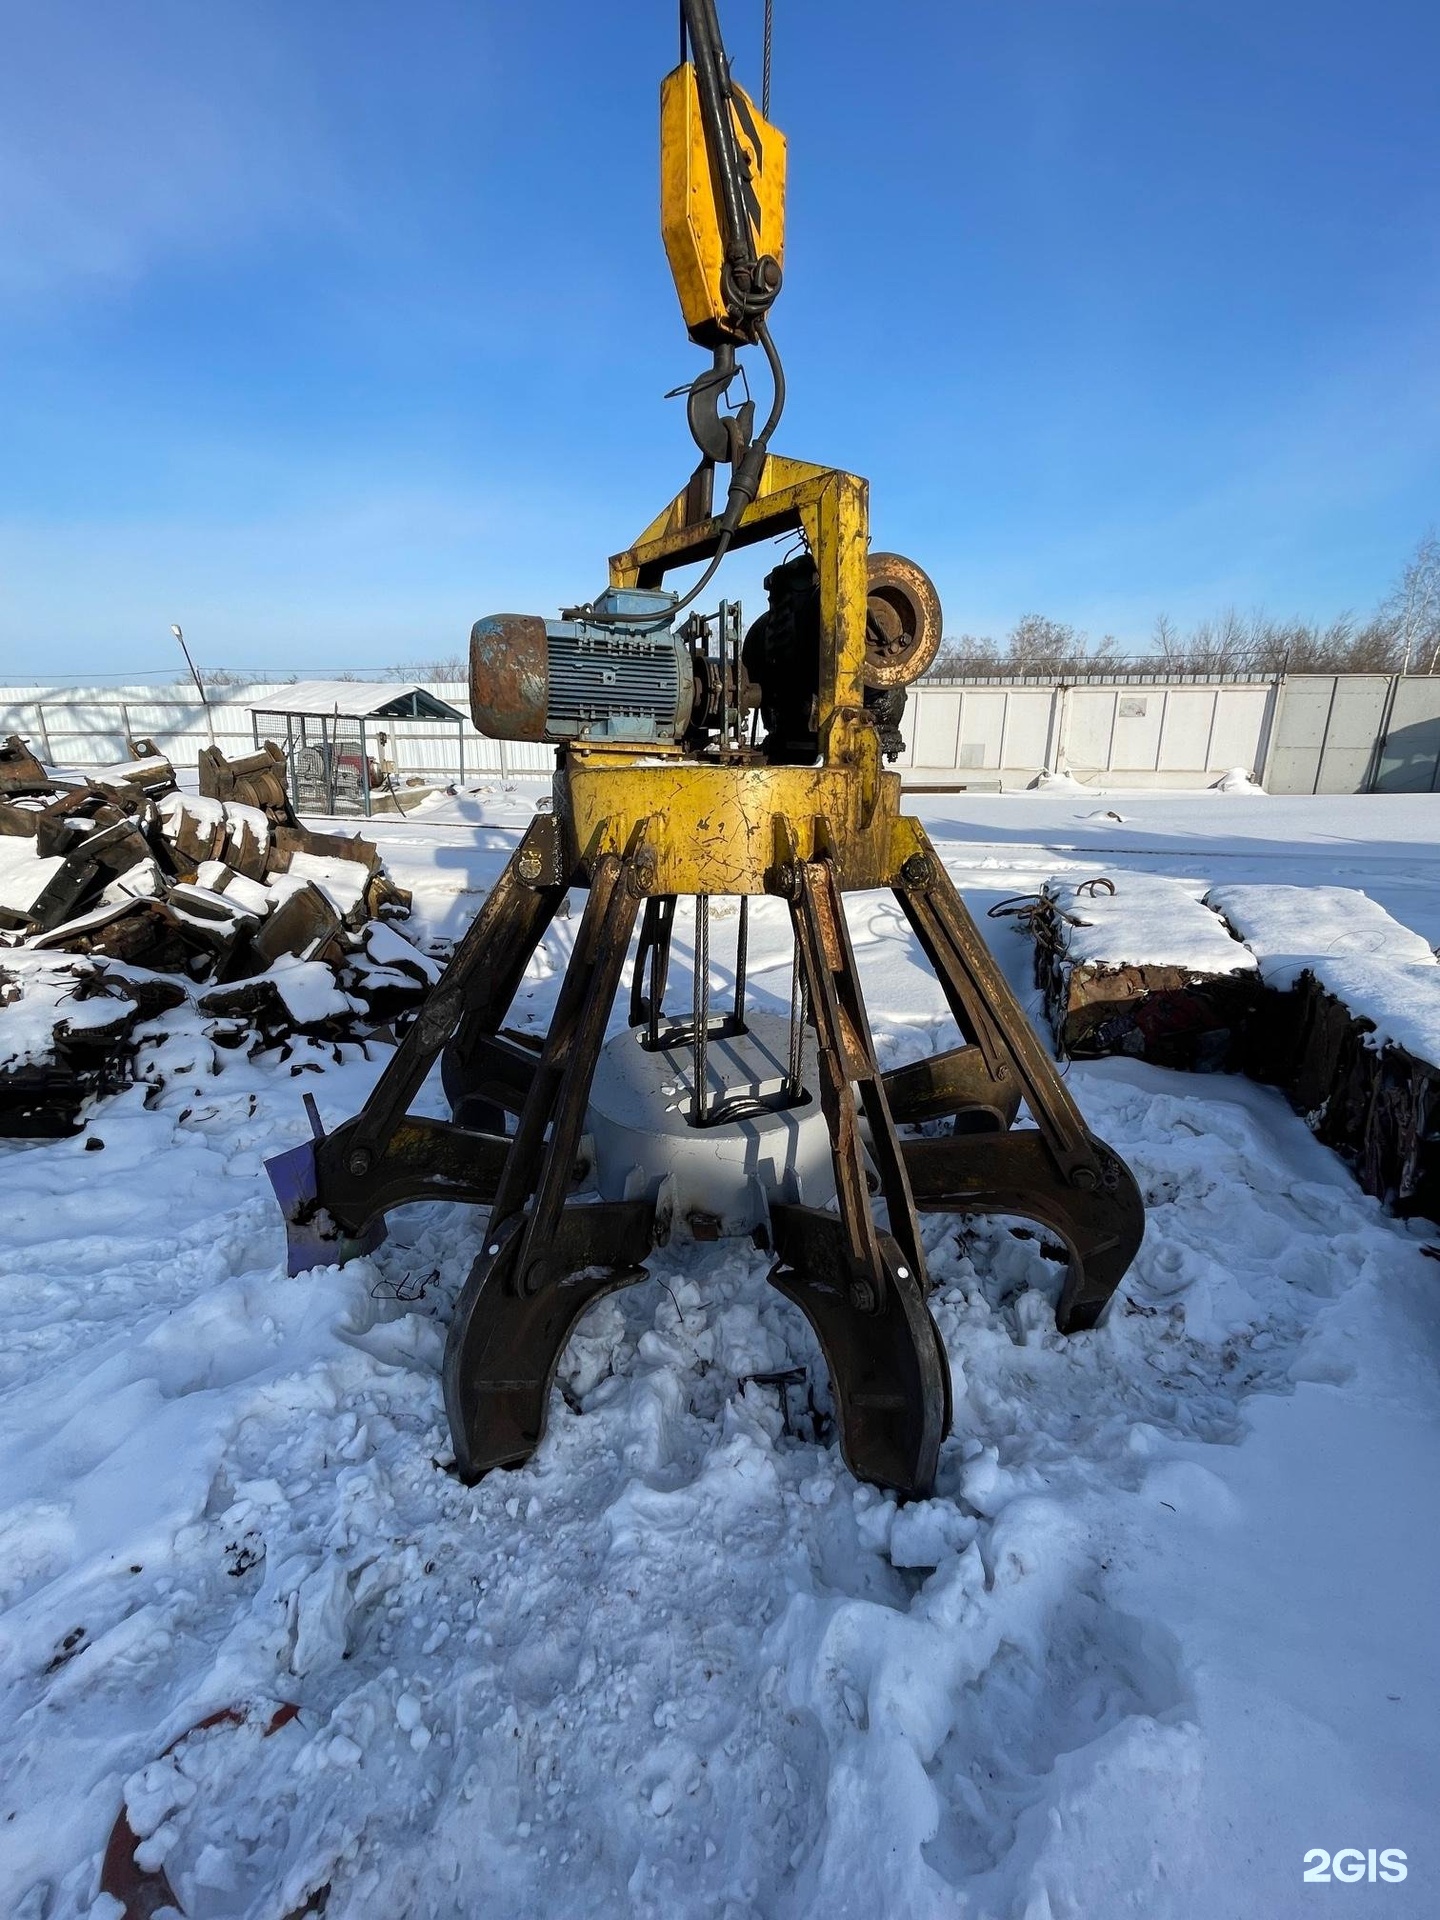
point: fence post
(44, 732)
(1062, 730)
(1377, 749)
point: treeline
(1401, 636)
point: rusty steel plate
(902, 621)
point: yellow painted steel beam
(727, 829)
(832, 510)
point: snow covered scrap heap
(1349, 1027)
(122, 898)
(1316, 990)
(1138, 965)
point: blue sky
(325, 328)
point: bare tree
(1414, 605)
(223, 677)
(1401, 637)
(450, 666)
(1377, 647)
(968, 656)
(1169, 644)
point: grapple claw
(1102, 1224)
(888, 1367)
(505, 1342)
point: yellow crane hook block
(691, 205)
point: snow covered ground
(1168, 1624)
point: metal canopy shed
(331, 729)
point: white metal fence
(90, 726)
(1311, 733)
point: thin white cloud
(129, 131)
(358, 573)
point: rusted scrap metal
(1179, 994)
(18, 822)
(90, 863)
(1167, 1015)
(125, 868)
(258, 780)
(143, 932)
(1299, 1026)
(305, 924)
(64, 820)
(380, 896)
(193, 832)
(289, 841)
(148, 770)
(20, 771)
(1377, 1104)
(142, 1892)
(92, 1014)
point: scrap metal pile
(1315, 990)
(122, 898)
(1148, 971)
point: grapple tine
(313, 1237)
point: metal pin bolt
(359, 1161)
(1085, 1177)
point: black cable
(749, 305)
(744, 486)
(777, 374)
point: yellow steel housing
(690, 216)
(728, 828)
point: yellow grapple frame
(637, 827)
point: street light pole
(199, 684)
